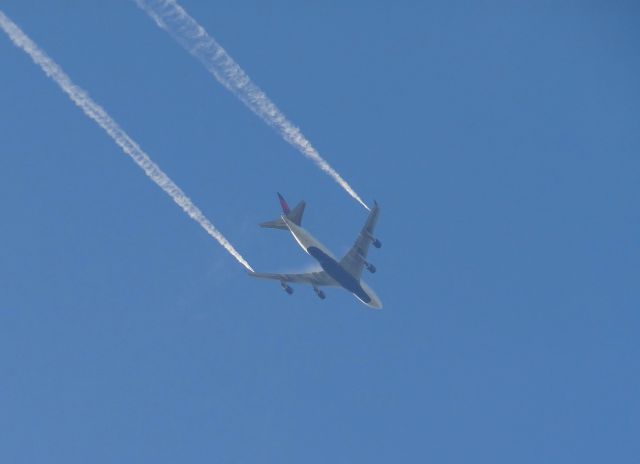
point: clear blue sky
(503, 144)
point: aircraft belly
(332, 267)
(304, 238)
(339, 274)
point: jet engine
(374, 241)
(286, 288)
(320, 293)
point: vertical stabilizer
(294, 215)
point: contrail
(100, 116)
(171, 17)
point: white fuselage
(332, 266)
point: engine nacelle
(374, 241)
(320, 293)
(286, 288)
(371, 268)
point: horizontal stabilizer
(277, 224)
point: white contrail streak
(100, 116)
(171, 17)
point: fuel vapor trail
(171, 17)
(94, 111)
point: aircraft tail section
(294, 215)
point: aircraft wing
(355, 259)
(319, 279)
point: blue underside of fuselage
(333, 268)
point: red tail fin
(294, 215)
(283, 204)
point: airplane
(345, 273)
